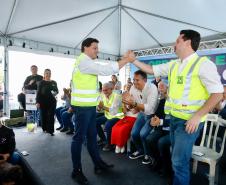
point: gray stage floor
(49, 156)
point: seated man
(67, 123)
(60, 110)
(22, 99)
(159, 139)
(111, 103)
(7, 146)
(149, 97)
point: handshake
(129, 56)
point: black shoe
(136, 155)
(98, 170)
(63, 129)
(106, 166)
(107, 148)
(59, 128)
(79, 177)
(52, 134)
(102, 167)
(101, 142)
(70, 132)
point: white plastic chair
(206, 152)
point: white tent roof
(119, 25)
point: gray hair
(109, 85)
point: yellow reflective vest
(186, 93)
(108, 103)
(84, 87)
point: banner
(31, 100)
(218, 56)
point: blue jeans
(85, 128)
(140, 131)
(15, 158)
(109, 123)
(182, 144)
(59, 111)
(66, 120)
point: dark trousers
(84, 119)
(164, 144)
(47, 118)
(109, 123)
(152, 142)
(66, 120)
(59, 111)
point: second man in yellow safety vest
(194, 90)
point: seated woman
(122, 129)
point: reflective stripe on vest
(84, 87)
(188, 96)
(108, 103)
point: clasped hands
(129, 56)
(128, 100)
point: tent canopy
(119, 25)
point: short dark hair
(87, 42)
(192, 35)
(47, 70)
(34, 66)
(141, 73)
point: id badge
(179, 79)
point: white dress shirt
(207, 73)
(148, 96)
(88, 66)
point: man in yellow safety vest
(194, 90)
(111, 104)
(85, 92)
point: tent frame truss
(221, 43)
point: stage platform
(49, 157)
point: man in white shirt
(146, 108)
(84, 97)
(189, 76)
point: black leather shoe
(70, 132)
(63, 129)
(79, 177)
(106, 166)
(59, 128)
(107, 148)
(98, 170)
(102, 167)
